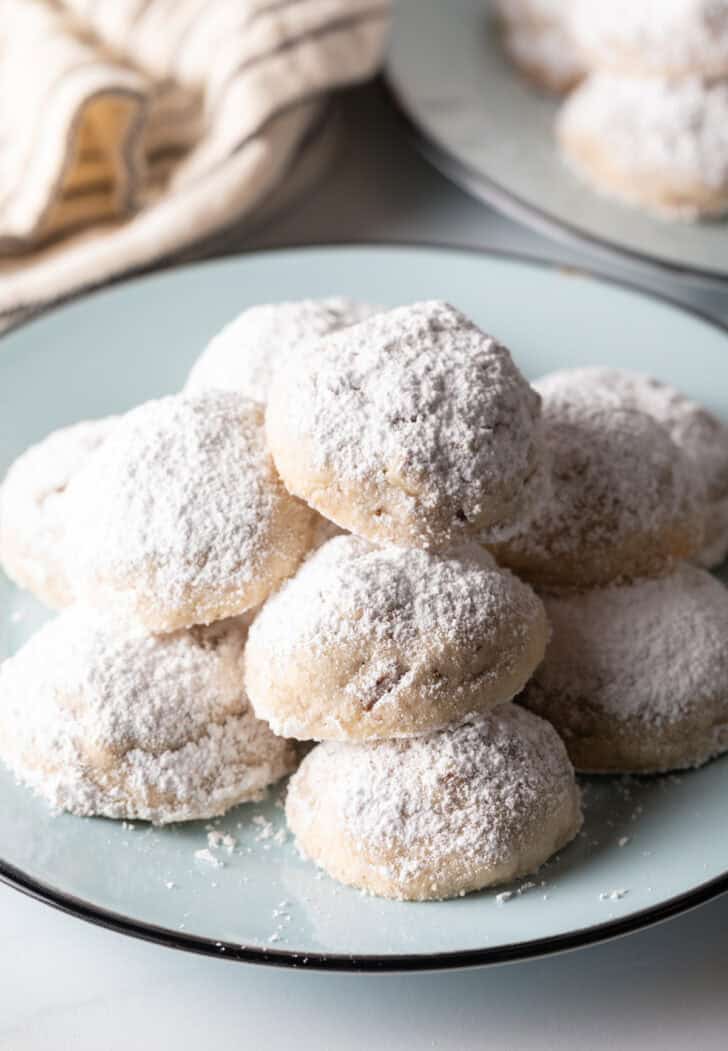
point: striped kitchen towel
(131, 130)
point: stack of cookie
(160, 531)
(318, 540)
(648, 123)
(635, 678)
(397, 643)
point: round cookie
(545, 55)
(413, 427)
(624, 503)
(696, 431)
(656, 143)
(32, 509)
(367, 643)
(244, 354)
(635, 678)
(653, 38)
(537, 40)
(98, 717)
(180, 518)
(437, 816)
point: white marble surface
(68, 985)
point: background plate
(110, 350)
(493, 133)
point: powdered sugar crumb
(264, 826)
(205, 855)
(217, 840)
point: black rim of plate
(372, 963)
(498, 196)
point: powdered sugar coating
(437, 816)
(696, 431)
(661, 143)
(99, 717)
(412, 427)
(180, 518)
(624, 501)
(663, 38)
(32, 508)
(245, 353)
(368, 643)
(636, 677)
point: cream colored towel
(133, 129)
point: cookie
(180, 518)
(437, 816)
(413, 427)
(653, 38)
(366, 643)
(624, 502)
(245, 353)
(130, 725)
(538, 42)
(32, 509)
(658, 144)
(635, 678)
(696, 431)
(545, 55)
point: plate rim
(109, 919)
(367, 963)
(484, 188)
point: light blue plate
(110, 350)
(490, 131)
